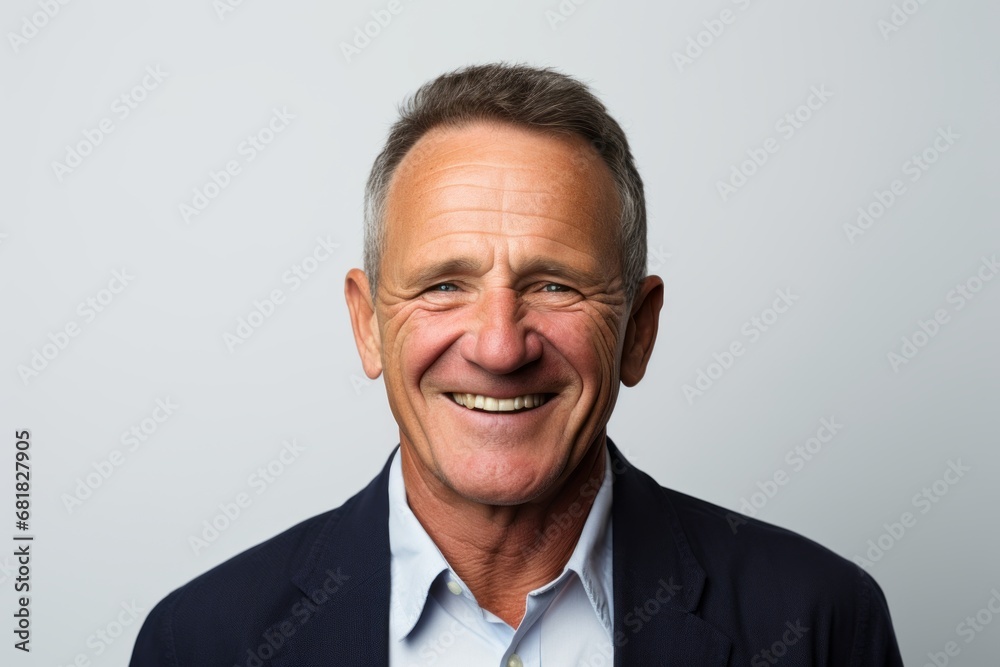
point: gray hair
(539, 98)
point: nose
(500, 342)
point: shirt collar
(416, 560)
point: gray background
(298, 376)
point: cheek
(419, 339)
(580, 335)
(584, 340)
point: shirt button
(454, 587)
(514, 661)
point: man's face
(501, 315)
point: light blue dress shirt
(435, 620)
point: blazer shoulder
(275, 559)
(226, 609)
(791, 581)
(723, 538)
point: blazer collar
(657, 580)
(351, 625)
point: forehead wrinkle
(520, 259)
(537, 216)
(505, 197)
(513, 201)
(512, 217)
(500, 176)
(479, 186)
(494, 172)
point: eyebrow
(545, 265)
(455, 265)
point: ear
(366, 334)
(640, 330)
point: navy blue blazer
(694, 584)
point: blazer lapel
(350, 625)
(657, 580)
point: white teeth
(490, 404)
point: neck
(504, 552)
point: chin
(500, 481)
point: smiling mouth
(491, 404)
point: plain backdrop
(879, 340)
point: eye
(555, 287)
(443, 287)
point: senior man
(504, 299)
